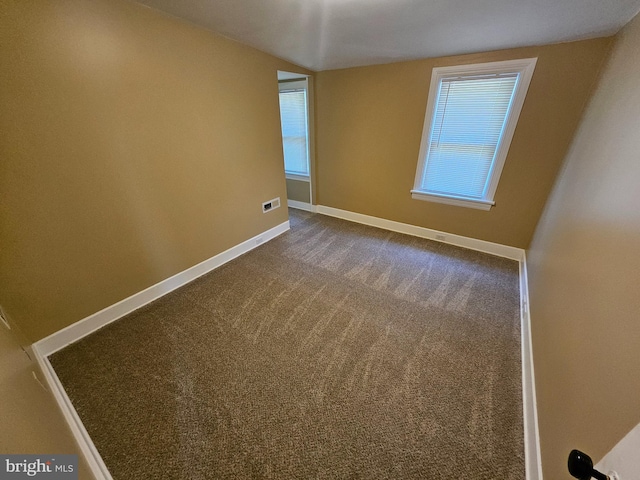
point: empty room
(320, 239)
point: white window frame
(525, 68)
(301, 84)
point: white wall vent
(270, 205)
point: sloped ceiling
(330, 34)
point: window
(472, 113)
(295, 130)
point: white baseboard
(513, 253)
(87, 447)
(54, 342)
(301, 205)
(533, 461)
(90, 324)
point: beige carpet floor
(334, 351)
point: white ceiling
(329, 34)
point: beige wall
(369, 124)
(133, 146)
(31, 422)
(584, 278)
(298, 190)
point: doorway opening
(296, 108)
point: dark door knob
(581, 467)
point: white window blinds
(472, 113)
(467, 126)
(293, 116)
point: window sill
(450, 200)
(297, 176)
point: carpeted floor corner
(334, 351)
